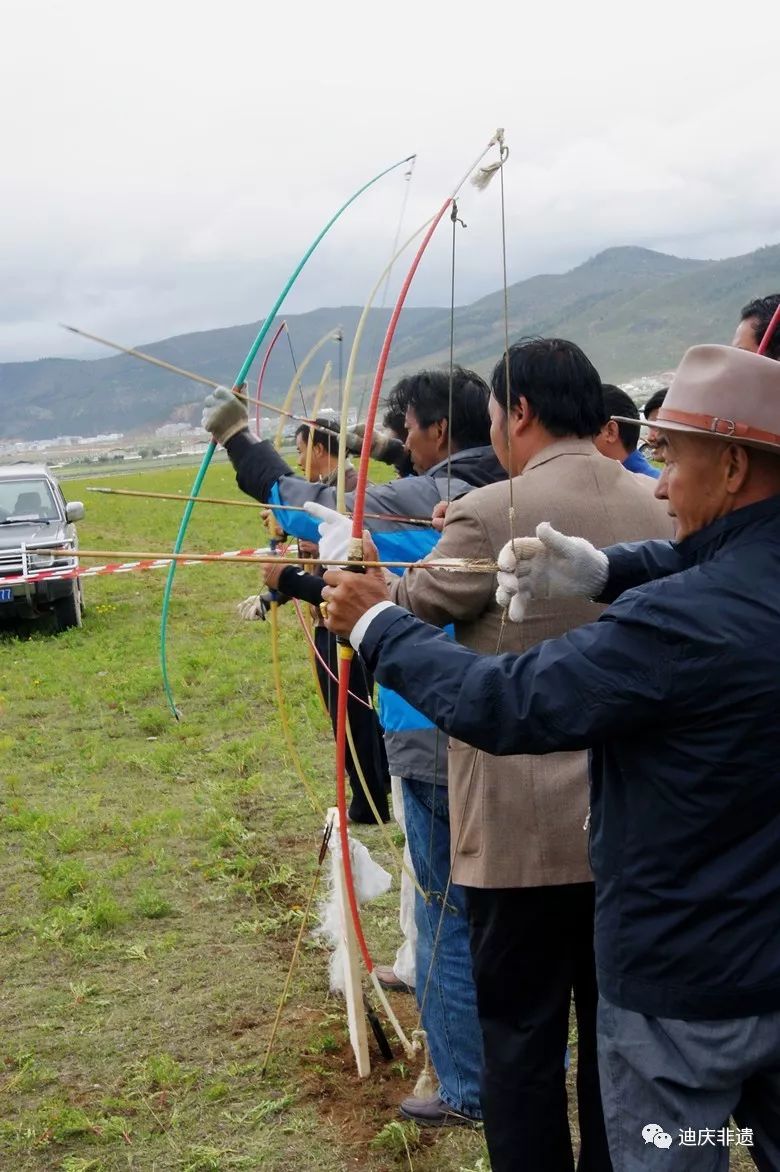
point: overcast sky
(166, 162)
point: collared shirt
(636, 462)
(350, 477)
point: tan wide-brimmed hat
(724, 392)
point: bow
(769, 331)
(331, 336)
(352, 363)
(263, 368)
(240, 377)
(356, 554)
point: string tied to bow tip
(483, 175)
(425, 1087)
(455, 217)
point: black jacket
(676, 690)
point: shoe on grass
(385, 974)
(434, 1112)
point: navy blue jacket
(676, 690)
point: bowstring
(374, 351)
(295, 371)
(437, 742)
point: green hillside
(633, 310)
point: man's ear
(522, 416)
(611, 431)
(736, 465)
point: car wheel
(68, 610)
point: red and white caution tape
(78, 571)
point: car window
(30, 499)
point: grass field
(152, 882)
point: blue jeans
(684, 1079)
(449, 1009)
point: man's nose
(661, 487)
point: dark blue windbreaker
(676, 690)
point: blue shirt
(635, 462)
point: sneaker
(434, 1112)
(385, 974)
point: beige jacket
(519, 821)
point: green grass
(152, 883)
(153, 878)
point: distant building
(176, 431)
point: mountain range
(633, 310)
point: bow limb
(240, 377)
(358, 508)
(770, 331)
(352, 363)
(356, 554)
(263, 368)
(321, 389)
(345, 651)
(331, 336)
(376, 390)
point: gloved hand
(335, 532)
(254, 607)
(384, 446)
(223, 415)
(550, 565)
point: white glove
(550, 565)
(335, 532)
(223, 415)
(254, 607)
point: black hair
(561, 385)
(394, 419)
(763, 309)
(617, 402)
(655, 402)
(326, 439)
(427, 393)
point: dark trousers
(366, 730)
(532, 948)
(685, 1079)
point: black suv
(34, 520)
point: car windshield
(28, 499)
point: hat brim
(667, 425)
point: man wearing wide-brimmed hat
(676, 691)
